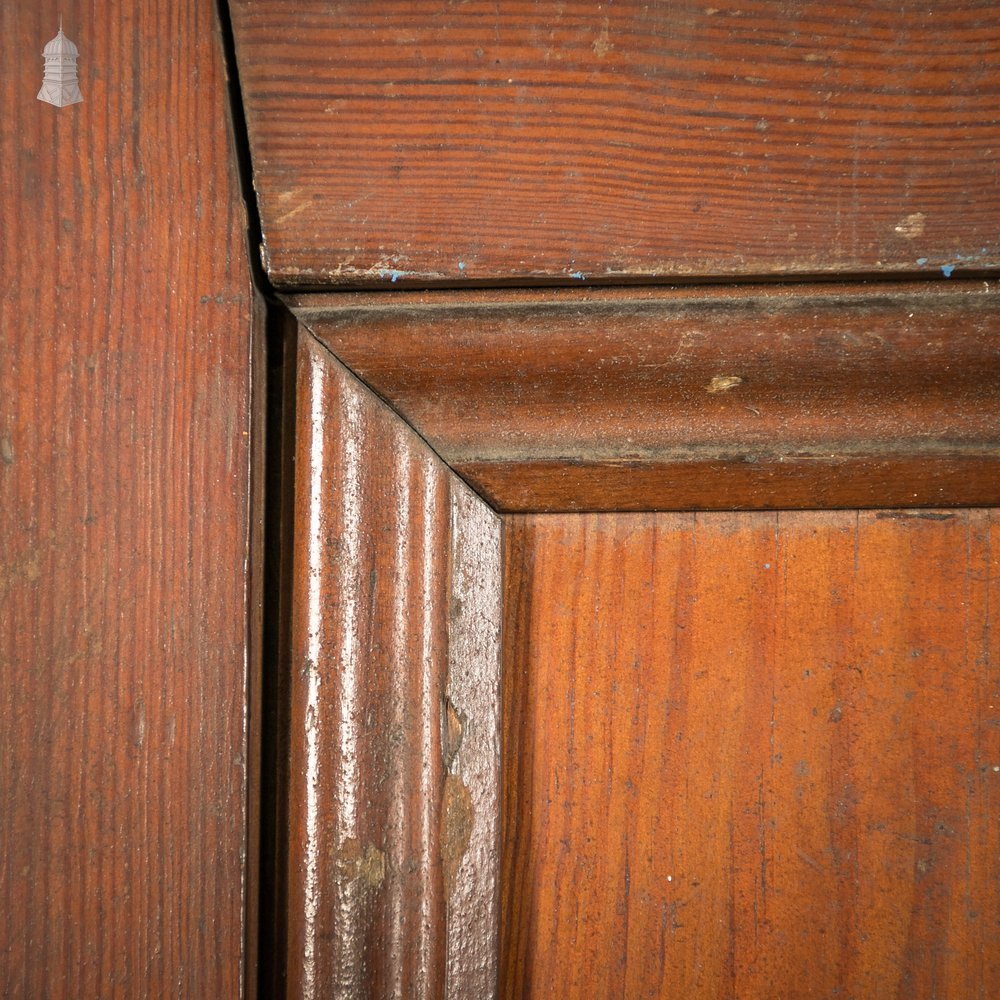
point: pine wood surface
(824, 395)
(124, 512)
(393, 802)
(417, 143)
(751, 755)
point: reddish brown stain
(583, 144)
(125, 617)
(751, 755)
(846, 395)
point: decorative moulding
(754, 397)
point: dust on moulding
(60, 85)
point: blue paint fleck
(971, 256)
(921, 261)
(392, 274)
(947, 270)
(461, 265)
(579, 275)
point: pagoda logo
(60, 85)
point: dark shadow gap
(273, 380)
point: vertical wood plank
(751, 755)
(393, 705)
(124, 510)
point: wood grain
(425, 143)
(755, 397)
(392, 870)
(891, 478)
(751, 755)
(124, 512)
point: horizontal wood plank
(766, 397)
(751, 756)
(420, 143)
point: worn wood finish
(767, 397)
(394, 732)
(124, 511)
(421, 143)
(751, 755)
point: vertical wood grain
(751, 755)
(124, 511)
(393, 724)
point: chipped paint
(454, 731)
(366, 864)
(912, 226)
(723, 383)
(603, 45)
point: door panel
(745, 754)
(751, 755)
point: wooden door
(639, 641)
(632, 632)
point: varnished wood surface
(393, 811)
(735, 480)
(768, 397)
(751, 755)
(124, 512)
(416, 143)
